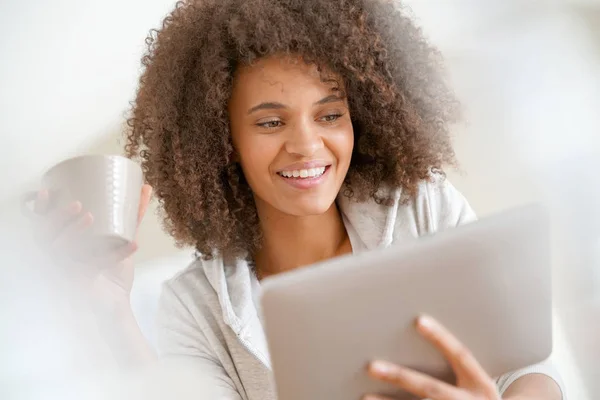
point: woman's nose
(304, 140)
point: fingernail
(87, 220)
(381, 367)
(75, 207)
(425, 322)
(371, 397)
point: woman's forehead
(279, 75)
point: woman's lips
(307, 182)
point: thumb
(144, 201)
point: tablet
(489, 282)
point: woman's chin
(307, 205)
(308, 209)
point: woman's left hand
(472, 382)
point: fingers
(460, 358)
(41, 203)
(65, 237)
(421, 385)
(107, 261)
(60, 232)
(472, 380)
(376, 397)
(60, 219)
(55, 221)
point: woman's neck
(290, 242)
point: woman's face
(292, 134)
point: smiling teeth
(304, 173)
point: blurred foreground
(529, 74)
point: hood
(373, 223)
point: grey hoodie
(208, 317)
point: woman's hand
(472, 382)
(106, 278)
(101, 282)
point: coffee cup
(107, 186)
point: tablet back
(489, 282)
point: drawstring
(387, 237)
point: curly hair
(400, 104)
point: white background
(527, 71)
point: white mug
(108, 186)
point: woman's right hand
(108, 278)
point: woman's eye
(270, 124)
(331, 117)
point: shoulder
(445, 204)
(190, 319)
(189, 283)
(436, 205)
(189, 294)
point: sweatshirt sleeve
(544, 368)
(449, 208)
(183, 345)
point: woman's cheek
(259, 155)
(342, 144)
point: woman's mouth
(305, 178)
(303, 173)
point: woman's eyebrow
(278, 106)
(267, 106)
(329, 99)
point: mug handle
(25, 200)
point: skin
(310, 122)
(472, 382)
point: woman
(279, 133)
